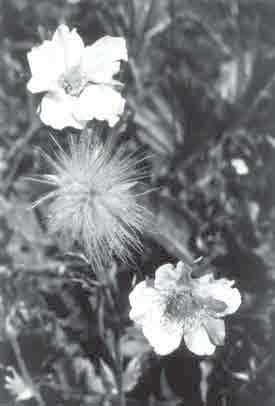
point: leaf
(235, 76)
(93, 381)
(132, 374)
(108, 377)
(133, 343)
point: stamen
(73, 82)
(183, 308)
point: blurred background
(200, 90)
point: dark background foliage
(200, 89)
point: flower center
(73, 81)
(183, 308)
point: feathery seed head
(95, 202)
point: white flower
(240, 166)
(78, 80)
(18, 387)
(175, 305)
(95, 201)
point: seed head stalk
(124, 174)
(103, 277)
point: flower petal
(70, 46)
(47, 65)
(100, 102)
(215, 329)
(198, 342)
(165, 336)
(220, 290)
(101, 61)
(148, 310)
(56, 110)
(141, 299)
(167, 276)
(52, 59)
(214, 306)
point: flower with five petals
(77, 80)
(174, 306)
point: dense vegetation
(200, 88)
